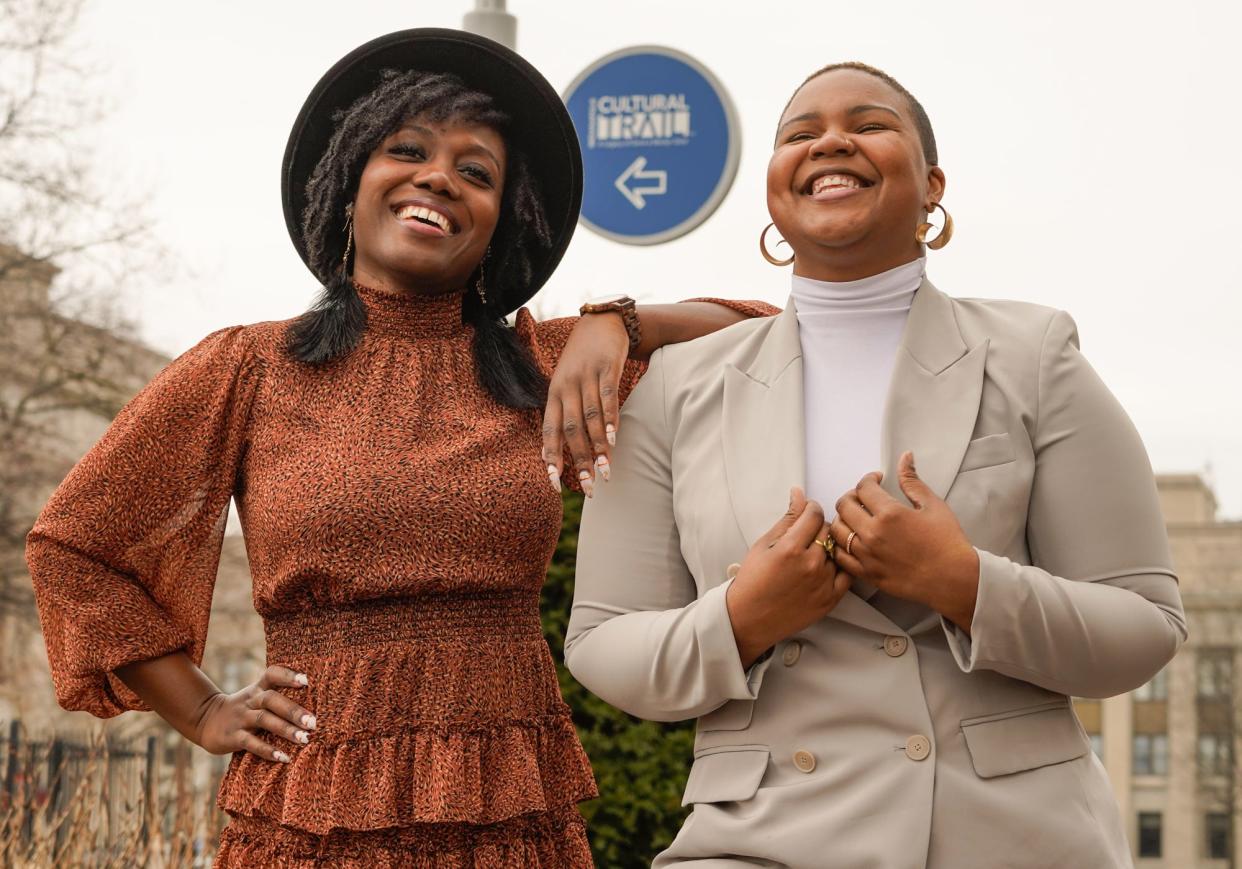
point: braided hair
(922, 122)
(335, 323)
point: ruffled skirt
(548, 840)
(441, 740)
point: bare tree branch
(68, 359)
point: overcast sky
(1091, 150)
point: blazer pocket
(734, 715)
(989, 450)
(726, 773)
(1022, 739)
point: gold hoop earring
(763, 249)
(349, 237)
(942, 237)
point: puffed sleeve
(123, 557)
(1097, 613)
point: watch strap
(627, 308)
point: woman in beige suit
(890, 687)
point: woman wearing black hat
(379, 451)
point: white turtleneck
(850, 333)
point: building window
(1218, 835)
(1156, 689)
(1149, 829)
(1088, 712)
(1213, 754)
(1215, 673)
(1151, 754)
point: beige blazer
(882, 736)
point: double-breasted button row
(918, 747)
(804, 761)
(895, 647)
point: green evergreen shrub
(641, 766)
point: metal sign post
(489, 18)
(660, 143)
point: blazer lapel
(933, 398)
(764, 434)
(763, 430)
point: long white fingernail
(554, 477)
(301, 679)
(281, 756)
(610, 431)
(588, 487)
(302, 736)
(604, 468)
(308, 721)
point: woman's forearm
(177, 690)
(684, 321)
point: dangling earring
(764, 250)
(478, 284)
(349, 237)
(942, 237)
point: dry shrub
(95, 805)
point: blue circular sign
(660, 143)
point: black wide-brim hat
(541, 128)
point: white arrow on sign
(635, 171)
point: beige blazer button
(896, 646)
(793, 651)
(804, 760)
(918, 747)
(731, 571)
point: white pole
(490, 19)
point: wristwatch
(618, 304)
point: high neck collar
(893, 289)
(412, 315)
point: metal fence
(100, 803)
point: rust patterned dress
(399, 524)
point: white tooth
(827, 182)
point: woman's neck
(402, 285)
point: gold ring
(829, 545)
(849, 542)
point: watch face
(608, 299)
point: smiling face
(848, 184)
(427, 204)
